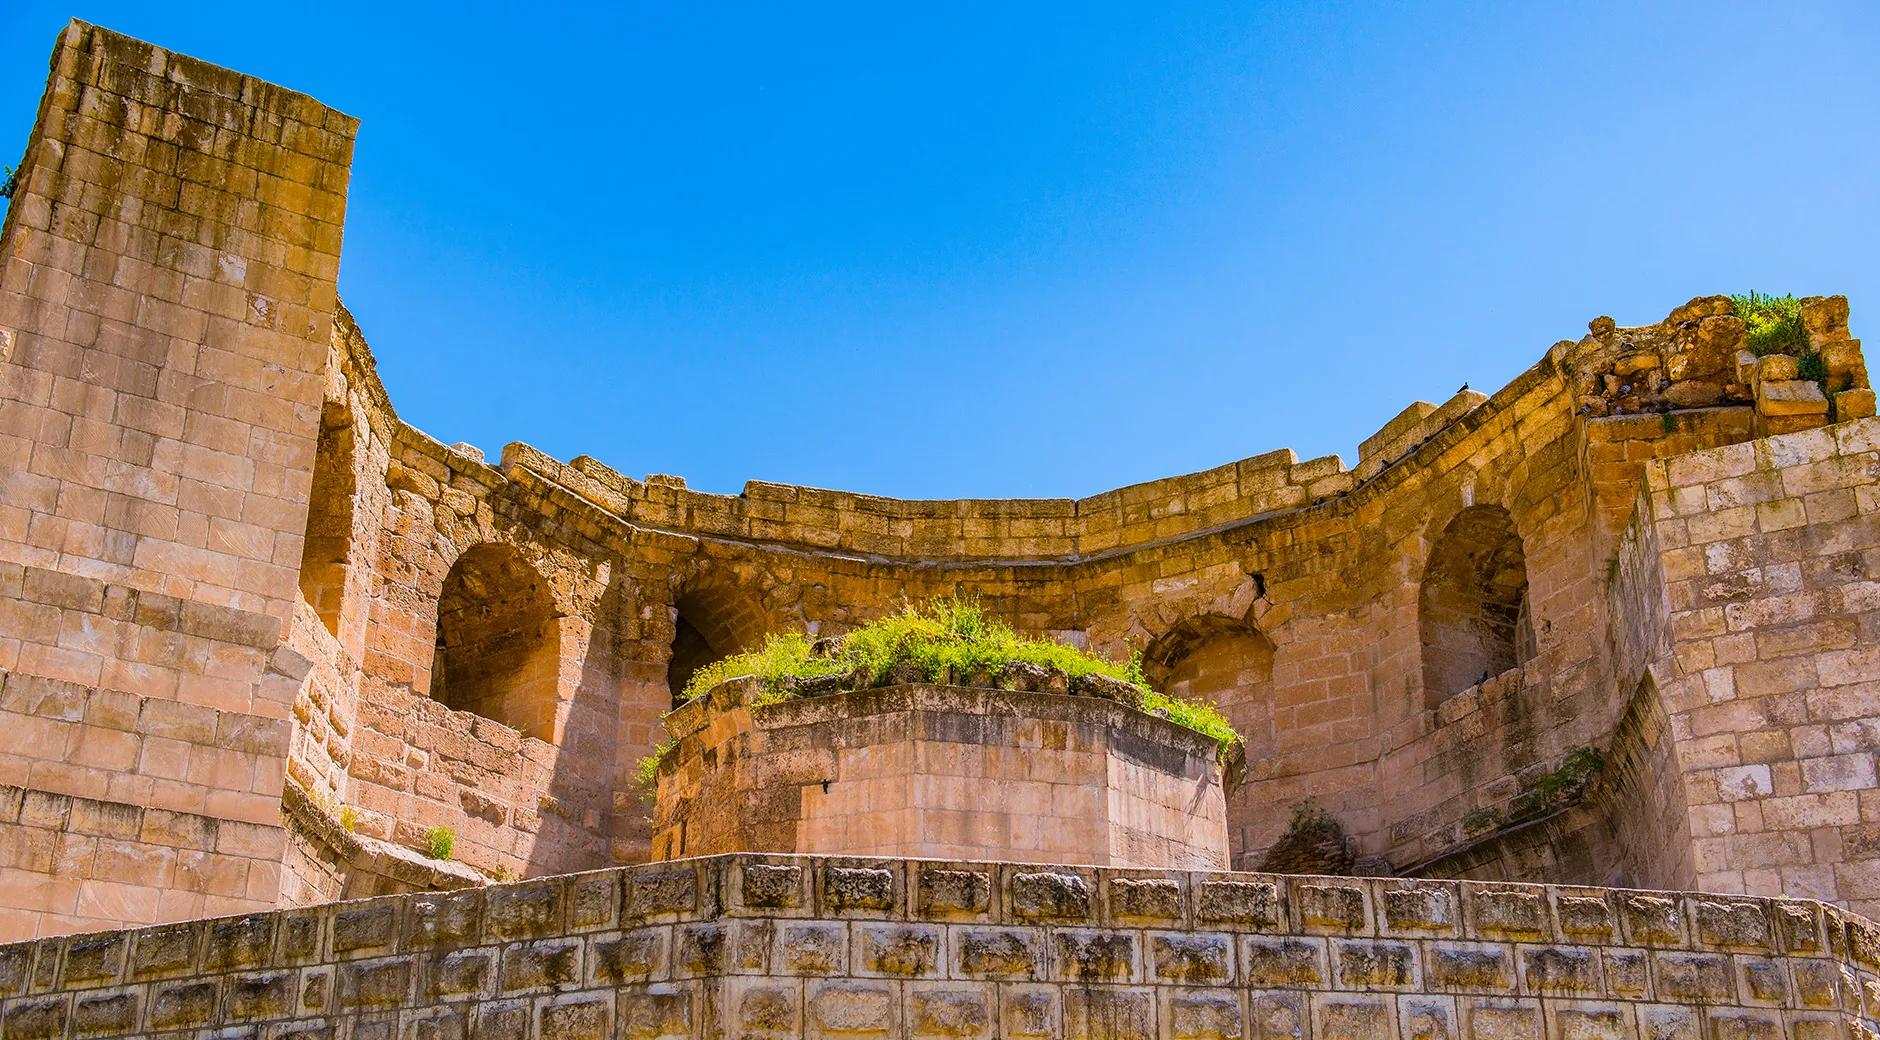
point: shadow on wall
(1227, 662)
(498, 652)
(710, 621)
(329, 535)
(1473, 606)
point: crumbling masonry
(1615, 625)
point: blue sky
(1010, 250)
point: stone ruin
(1581, 674)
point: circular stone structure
(948, 772)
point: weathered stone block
(236, 942)
(767, 886)
(1089, 955)
(851, 1009)
(656, 893)
(365, 985)
(1336, 908)
(1108, 1014)
(524, 911)
(1652, 920)
(587, 1018)
(1508, 914)
(1203, 1015)
(903, 950)
(182, 1005)
(459, 973)
(1051, 895)
(1423, 908)
(637, 956)
(1145, 899)
(1560, 969)
(1351, 1017)
(765, 1010)
(37, 1018)
(658, 1012)
(998, 953)
(444, 919)
(949, 1012)
(1282, 962)
(1584, 918)
(1029, 1012)
(1732, 925)
(262, 995)
(702, 949)
(539, 965)
(1251, 904)
(812, 949)
(1201, 959)
(1469, 967)
(1366, 964)
(1694, 977)
(106, 1014)
(953, 893)
(858, 889)
(369, 929)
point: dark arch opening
(709, 623)
(497, 644)
(328, 541)
(1473, 614)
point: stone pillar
(167, 290)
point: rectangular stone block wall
(1770, 553)
(801, 947)
(167, 275)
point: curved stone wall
(769, 946)
(945, 772)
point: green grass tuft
(947, 640)
(1775, 323)
(439, 841)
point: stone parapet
(824, 947)
(943, 771)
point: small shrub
(502, 875)
(1812, 367)
(9, 182)
(646, 771)
(348, 818)
(1774, 323)
(439, 841)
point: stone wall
(1769, 553)
(167, 286)
(226, 564)
(944, 772)
(800, 947)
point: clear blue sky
(987, 251)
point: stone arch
(327, 547)
(1224, 660)
(498, 646)
(710, 621)
(1472, 609)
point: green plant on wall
(10, 182)
(1774, 323)
(945, 640)
(439, 842)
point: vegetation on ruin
(944, 641)
(1774, 323)
(9, 182)
(439, 842)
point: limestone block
(1853, 404)
(1790, 397)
